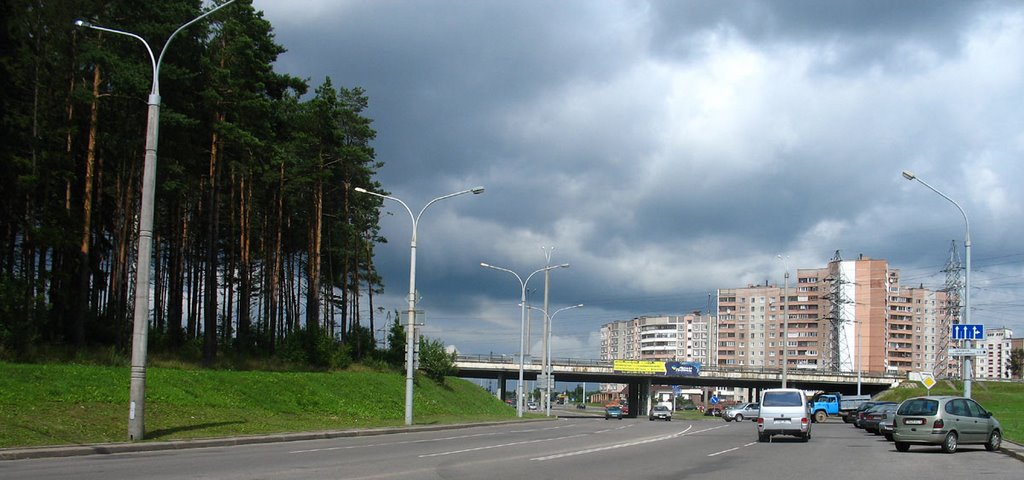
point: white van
(783, 412)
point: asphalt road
(565, 449)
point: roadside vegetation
(59, 404)
(1004, 399)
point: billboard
(688, 369)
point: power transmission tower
(950, 315)
(837, 347)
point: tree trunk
(210, 288)
(313, 258)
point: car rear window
(782, 399)
(919, 406)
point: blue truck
(834, 404)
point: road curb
(1012, 449)
(126, 447)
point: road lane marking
(611, 447)
(388, 444)
(731, 449)
(503, 445)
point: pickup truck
(825, 405)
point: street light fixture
(140, 329)
(967, 373)
(410, 333)
(546, 366)
(522, 327)
(785, 320)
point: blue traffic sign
(714, 399)
(966, 331)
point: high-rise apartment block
(847, 316)
(660, 338)
(995, 363)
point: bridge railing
(566, 361)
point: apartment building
(995, 364)
(847, 316)
(658, 338)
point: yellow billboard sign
(638, 366)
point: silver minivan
(783, 412)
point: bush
(315, 348)
(435, 361)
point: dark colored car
(874, 416)
(713, 412)
(613, 412)
(581, 406)
(858, 414)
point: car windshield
(782, 399)
(919, 406)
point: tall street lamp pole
(546, 354)
(967, 373)
(140, 329)
(785, 320)
(522, 326)
(547, 342)
(410, 333)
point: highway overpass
(505, 368)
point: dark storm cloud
(667, 149)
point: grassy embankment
(76, 404)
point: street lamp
(140, 331)
(546, 365)
(785, 319)
(967, 374)
(410, 334)
(522, 326)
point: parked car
(741, 412)
(581, 406)
(660, 412)
(858, 414)
(531, 405)
(874, 416)
(784, 411)
(713, 412)
(613, 411)
(946, 421)
(885, 426)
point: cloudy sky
(668, 149)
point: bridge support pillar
(502, 379)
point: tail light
(760, 421)
(804, 420)
(938, 423)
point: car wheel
(902, 446)
(888, 437)
(820, 416)
(739, 417)
(995, 440)
(805, 437)
(763, 437)
(949, 443)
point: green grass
(60, 404)
(1004, 399)
(52, 404)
